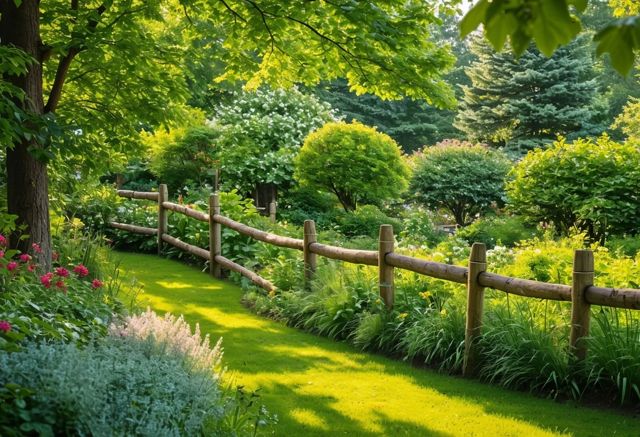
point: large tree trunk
(27, 186)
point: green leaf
(554, 26)
(473, 18)
(620, 39)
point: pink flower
(81, 270)
(31, 267)
(46, 279)
(62, 272)
(96, 283)
(36, 248)
(5, 326)
(3, 240)
(12, 266)
(25, 258)
(61, 285)
(1, 253)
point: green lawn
(319, 387)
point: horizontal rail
(198, 215)
(368, 257)
(255, 278)
(134, 228)
(276, 240)
(614, 297)
(193, 250)
(447, 272)
(525, 287)
(145, 195)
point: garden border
(582, 293)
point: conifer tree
(524, 103)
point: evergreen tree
(523, 103)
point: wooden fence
(582, 293)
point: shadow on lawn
(290, 366)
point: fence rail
(582, 293)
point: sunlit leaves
(550, 23)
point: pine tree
(524, 103)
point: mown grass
(319, 387)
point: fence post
(163, 196)
(272, 211)
(475, 298)
(215, 236)
(385, 271)
(310, 261)
(580, 308)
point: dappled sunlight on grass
(319, 387)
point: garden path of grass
(319, 387)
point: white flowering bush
(174, 336)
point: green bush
(497, 230)
(418, 229)
(366, 221)
(588, 185)
(303, 203)
(355, 162)
(190, 159)
(629, 246)
(70, 303)
(119, 387)
(466, 181)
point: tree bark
(27, 184)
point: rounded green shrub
(593, 186)
(355, 162)
(467, 181)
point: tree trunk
(27, 185)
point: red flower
(1, 253)
(81, 270)
(36, 248)
(31, 267)
(12, 266)
(25, 258)
(61, 285)
(62, 272)
(96, 283)
(3, 240)
(5, 326)
(46, 279)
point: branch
(233, 12)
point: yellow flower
(425, 295)
(443, 312)
(272, 293)
(402, 316)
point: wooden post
(163, 196)
(272, 211)
(582, 279)
(385, 271)
(310, 261)
(215, 236)
(475, 298)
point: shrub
(263, 132)
(501, 230)
(466, 181)
(355, 162)
(366, 221)
(189, 159)
(589, 185)
(69, 303)
(418, 229)
(120, 387)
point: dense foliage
(355, 162)
(261, 133)
(588, 185)
(527, 102)
(465, 180)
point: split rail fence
(582, 293)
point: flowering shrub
(67, 303)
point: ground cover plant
(319, 387)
